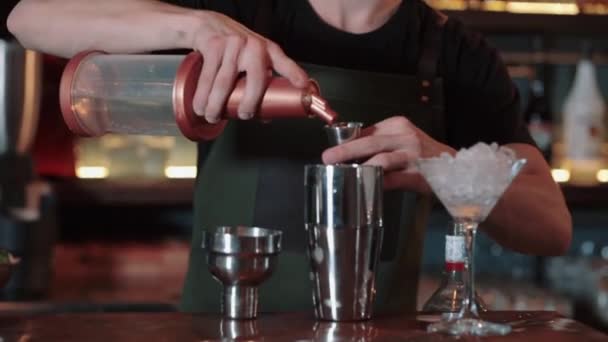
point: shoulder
(468, 61)
(470, 65)
(482, 102)
(467, 56)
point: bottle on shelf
(584, 111)
(447, 299)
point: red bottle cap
(70, 116)
(454, 266)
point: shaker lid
(192, 126)
(70, 116)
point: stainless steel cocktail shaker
(343, 213)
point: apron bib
(254, 175)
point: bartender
(420, 82)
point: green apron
(253, 175)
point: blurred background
(106, 222)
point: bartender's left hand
(394, 144)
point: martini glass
(469, 185)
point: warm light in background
(602, 176)
(454, 5)
(180, 172)
(494, 5)
(560, 175)
(541, 7)
(92, 172)
(567, 7)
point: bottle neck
(454, 253)
(453, 276)
(585, 81)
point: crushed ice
(470, 183)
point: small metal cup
(241, 258)
(342, 132)
(343, 213)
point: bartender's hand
(229, 48)
(394, 144)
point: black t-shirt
(6, 6)
(481, 101)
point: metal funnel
(241, 258)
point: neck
(355, 16)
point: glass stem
(469, 307)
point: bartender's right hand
(229, 48)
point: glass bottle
(448, 297)
(584, 123)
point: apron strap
(408, 261)
(429, 59)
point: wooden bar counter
(149, 327)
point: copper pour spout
(319, 107)
(282, 100)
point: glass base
(448, 299)
(469, 326)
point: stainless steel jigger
(343, 219)
(241, 258)
(342, 132)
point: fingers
(224, 57)
(391, 161)
(255, 64)
(213, 53)
(229, 48)
(366, 146)
(286, 66)
(224, 80)
(392, 125)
